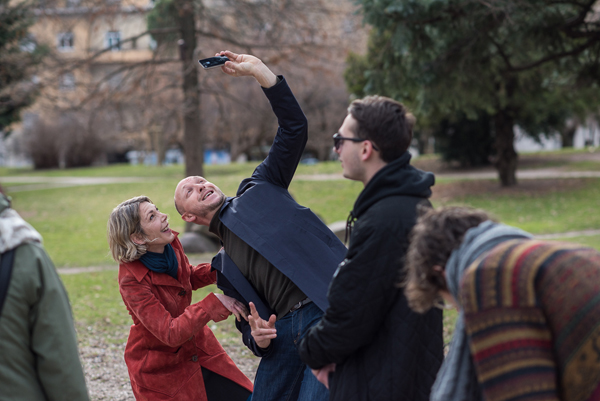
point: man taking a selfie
(277, 256)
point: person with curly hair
(529, 320)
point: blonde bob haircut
(124, 221)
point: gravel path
(105, 370)
(106, 373)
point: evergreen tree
(532, 63)
(18, 54)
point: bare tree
(160, 98)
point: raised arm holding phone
(278, 257)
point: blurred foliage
(18, 54)
(533, 62)
(467, 141)
(162, 16)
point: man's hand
(322, 374)
(262, 331)
(245, 65)
(234, 306)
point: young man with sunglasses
(369, 345)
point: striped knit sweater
(532, 312)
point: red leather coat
(169, 340)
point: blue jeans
(281, 375)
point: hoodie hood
(14, 231)
(397, 178)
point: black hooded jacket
(382, 349)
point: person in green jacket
(38, 344)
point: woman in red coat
(171, 354)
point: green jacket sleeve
(53, 337)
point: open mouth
(165, 229)
(209, 193)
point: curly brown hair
(437, 233)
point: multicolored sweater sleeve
(532, 314)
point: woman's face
(156, 227)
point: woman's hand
(234, 306)
(262, 331)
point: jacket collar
(14, 231)
(397, 178)
(140, 271)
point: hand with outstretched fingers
(262, 331)
(234, 306)
(322, 374)
(246, 65)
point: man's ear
(188, 217)
(367, 151)
(137, 239)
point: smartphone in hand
(212, 62)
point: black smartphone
(212, 62)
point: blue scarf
(165, 262)
(457, 379)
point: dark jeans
(281, 375)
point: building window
(28, 43)
(65, 41)
(152, 43)
(348, 26)
(66, 82)
(113, 40)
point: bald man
(278, 256)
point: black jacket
(266, 217)
(382, 349)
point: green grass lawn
(556, 212)
(73, 222)
(584, 166)
(592, 241)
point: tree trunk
(192, 133)
(425, 143)
(567, 134)
(506, 157)
(157, 139)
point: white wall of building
(584, 136)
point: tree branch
(116, 72)
(556, 56)
(131, 39)
(501, 52)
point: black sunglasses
(338, 138)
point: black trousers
(219, 388)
